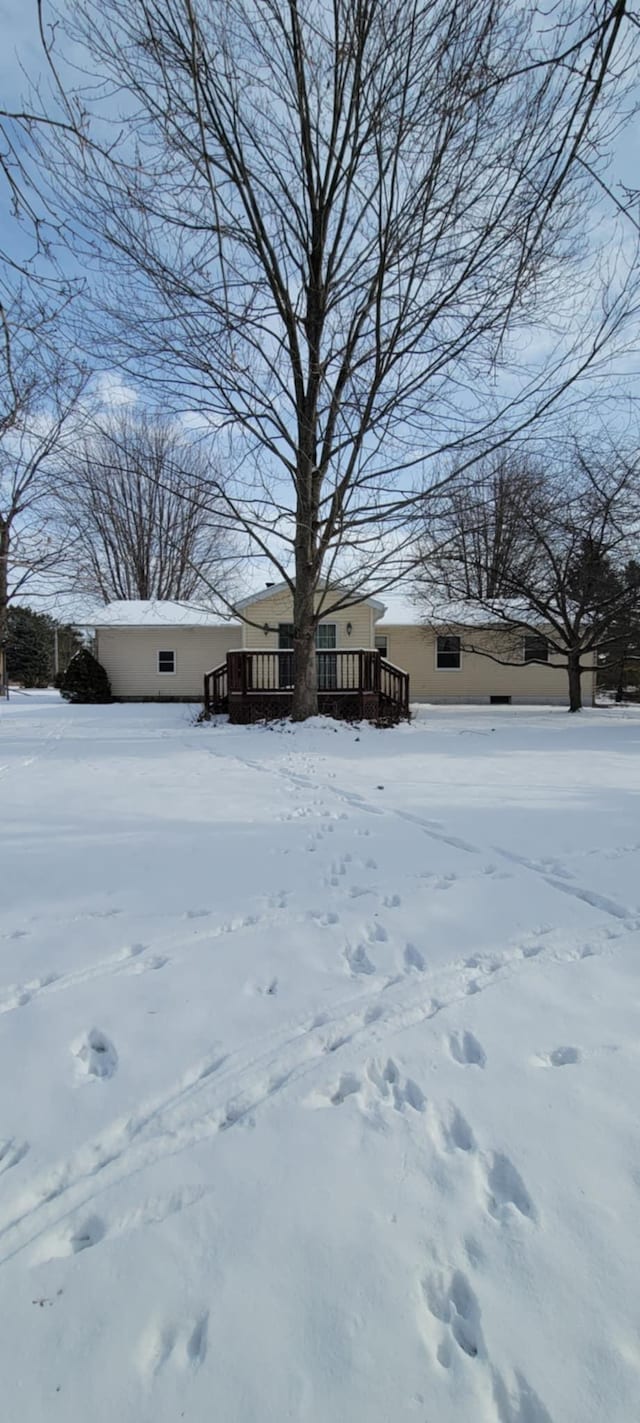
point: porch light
(349, 629)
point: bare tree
(140, 502)
(569, 582)
(39, 394)
(321, 224)
(477, 529)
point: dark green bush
(85, 679)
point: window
(536, 648)
(285, 636)
(500, 701)
(448, 654)
(326, 637)
(381, 643)
(166, 661)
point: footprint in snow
(452, 1132)
(561, 1057)
(96, 1055)
(381, 1085)
(183, 1345)
(455, 1307)
(465, 1049)
(506, 1190)
(413, 959)
(358, 961)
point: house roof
(155, 612)
(399, 610)
(272, 589)
(469, 613)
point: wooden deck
(353, 685)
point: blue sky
(20, 56)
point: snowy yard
(319, 1068)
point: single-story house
(373, 655)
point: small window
(166, 661)
(500, 701)
(381, 643)
(448, 653)
(326, 637)
(536, 648)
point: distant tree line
(38, 647)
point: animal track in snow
(96, 1054)
(413, 959)
(376, 932)
(358, 960)
(392, 901)
(454, 1132)
(465, 1049)
(185, 1346)
(520, 1406)
(506, 1189)
(324, 917)
(85, 1233)
(388, 1083)
(381, 1084)
(347, 1086)
(11, 1152)
(562, 1057)
(150, 965)
(455, 1306)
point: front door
(285, 664)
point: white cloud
(112, 391)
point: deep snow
(319, 1068)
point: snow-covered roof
(403, 611)
(399, 610)
(155, 612)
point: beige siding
(277, 608)
(130, 658)
(479, 678)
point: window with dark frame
(381, 643)
(326, 637)
(448, 653)
(166, 661)
(326, 641)
(536, 648)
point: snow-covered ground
(319, 1068)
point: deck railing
(360, 672)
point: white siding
(277, 607)
(479, 677)
(130, 658)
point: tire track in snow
(438, 832)
(46, 744)
(574, 891)
(218, 1094)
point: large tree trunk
(575, 688)
(305, 688)
(4, 603)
